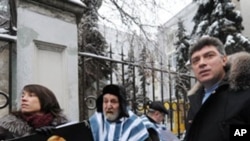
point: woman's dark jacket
(229, 104)
(12, 126)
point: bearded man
(113, 121)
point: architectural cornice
(64, 5)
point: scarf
(37, 121)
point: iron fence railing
(141, 89)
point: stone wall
(47, 50)
(4, 73)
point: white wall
(47, 54)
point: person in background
(39, 111)
(153, 122)
(113, 121)
(223, 97)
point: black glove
(46, 130)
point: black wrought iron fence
(4, 100)
(154, 84)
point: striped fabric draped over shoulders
(148, 123)
(126, 129)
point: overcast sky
(156, 17)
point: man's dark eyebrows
(209, 52)
(196, 57)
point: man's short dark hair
(206, 41)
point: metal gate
(155, 84)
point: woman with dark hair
(39, 109)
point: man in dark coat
(153, 119)
(153, 122)
(222, 97)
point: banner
(72, 132)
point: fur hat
(118, 91)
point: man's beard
(112, 116)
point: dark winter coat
(229, 104)
(12, 126)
